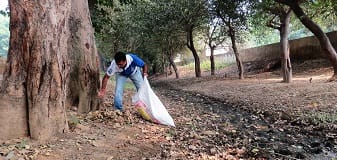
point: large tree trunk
(190, 45)
(84, 75)
(231, 32)
(33, 92)
(316, 30)
(284, 33)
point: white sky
(3, 4)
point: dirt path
(215, 117)
(215, 129)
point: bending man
(124, 66)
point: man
(124, 66)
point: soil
(216, 117)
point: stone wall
(300, 49)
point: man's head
(120, 59)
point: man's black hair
(120, 56)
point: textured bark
(284, 33)
(84, 75)
(13, 100)
(33, 91)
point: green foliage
(149, 28)
(5, 12)
(73, 122)
(323, 12)
(130, 86)
(234, 15)
(22, 144)
(109, 27)
(156, 29)
(4, 35)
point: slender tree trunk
(211, 58)
(317, 31)
(33, 92)
(170, 58)
(84, 75)
(190, 45)
(236, 52)
(284, 33)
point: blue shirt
(132, 62)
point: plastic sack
(149, 105)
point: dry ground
(216, 118)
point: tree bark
(33, 92)
(84, 75)
(170, 58)
(231, 32)
(284, 33)
(211, 58)
(190, 45)
(317, 31)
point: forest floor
(216, 117)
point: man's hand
(145, 74)
(101, 93)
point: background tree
(234, 15)
(111, 27)
(156, 31)
(164, 31)
(316, 30)
(214, 37)
(278, 17)
(193, 17)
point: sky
(3, 4)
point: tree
(164, 31)
(234, 15)
(33, 91)
(284, 33)
(84, 73)
(214, 38)
(279, 19)
(111, 27)
(193, 16)
(156, 29)
(316, 30)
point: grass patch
(112, 82)
(206, 65)
(22, 145)
(322, 117)
(73, 122)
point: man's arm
(145, 69)
(102, 91)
